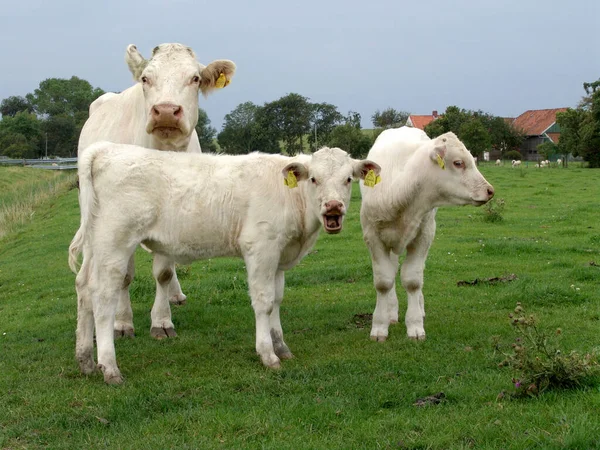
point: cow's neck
(179, 146)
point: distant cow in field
(185, 207)
(516, 163)
(161, 112)
(418, 176)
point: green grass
(207, 388)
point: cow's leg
(176, 296)
(84, 346)
(385, 268)
(163, 270)
(262, 269)
(412, 279)
(107, 282)
(280, 347)
(124, 314)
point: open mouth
(332, 223)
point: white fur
(186, 206)
(127, 118)
(498, 162)
(398, 214)
(516, 162)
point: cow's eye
(196, 79)
(349, 180)
(313, 180)
(460, 164)
(144, 80)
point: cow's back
(393, 147)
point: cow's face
(328, 177)
(171, 79)
(458, 180)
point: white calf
(418, 175)
(498, 162)
(186, 206)
(516, 162)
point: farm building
(421, 121)
(539, 126)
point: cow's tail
(87, 202)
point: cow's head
(457, 178)
(171, 79)
(328, 186)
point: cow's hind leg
(412, 278)
(105, 289)
(84, 346)
(280, 347)
(163, 270)
(262, 268)
(124, 314)
(176, 296)
(385, 268)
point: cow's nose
(167, 110)
(490, 192)
(334, 205)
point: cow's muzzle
(165, 120)
(333, 217)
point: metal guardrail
(49, 164)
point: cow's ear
(299, 171)
(135, 61)
(362, 168)
(438, 152)
(216, 75)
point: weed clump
(540, 364)
(492, 211)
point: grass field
(207, 388)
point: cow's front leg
(163, 270)
(280, 347)
(262, 270)
(124, 313)
(385, 268)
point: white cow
(161, 112)
(498, 162)
(418, 175)
(516, 162)
(187, 206)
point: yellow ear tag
(222, 81)
(371, 179)
(291, 181)
(440, 162)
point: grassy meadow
(207, 389)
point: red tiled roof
(535, 122)
(554, 137)
(420, 121)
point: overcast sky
(503, 57)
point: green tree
(10, 106)
(290, 115)
(389, 118)
(325, 117)
(351, 139)
(60, 132)
(206, 133)
(547, 149)
(236, 135)
(57, 96)
(475, 137)
(20, 135)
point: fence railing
(48, 164)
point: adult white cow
(418, 176)
(193, 206)
(161, 112)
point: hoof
(111, 376)
(87, 366)
(379, 338)
(178, 299)
(392, 322)
(285, 355)
(128, 333)
(419, 337)
(162, 333)
(283, 352)
(272, 362)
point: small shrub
(513, 154)
(540, 364)
(492, 211)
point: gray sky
(503, 57)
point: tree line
(49, 120)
